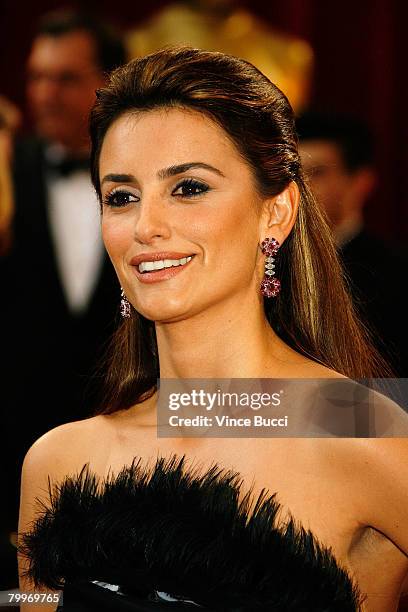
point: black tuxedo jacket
(49, 353)
(377, 276)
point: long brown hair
(313, 313)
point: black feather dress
(168, 537)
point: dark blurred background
(359, 68)
(340, 57)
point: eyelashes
(190, 188)
(118, 198)
(186, 189)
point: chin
(165, 318)
(165, 312)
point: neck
(228, 340)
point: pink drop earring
(270, 286)
(125, 308)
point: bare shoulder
(67, 446)
(386, 455)
(65, 450)
(374, 464)
(59, 452)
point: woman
(196, 165)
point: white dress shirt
(74, 218)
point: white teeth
(146, 266)
(149, 266)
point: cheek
(222, 222)
(229, 238)
(116, 235)
(36, 95)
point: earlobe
(279, 213)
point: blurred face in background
(330, 180)
(341, 192)
(63, 75)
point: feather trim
(175, 530)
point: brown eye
(190, 188)
(119, 198)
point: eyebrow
(118, 178)
(164, 173)
(180, 168)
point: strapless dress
(172, 537)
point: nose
(152, 220)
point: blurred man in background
(65, 66)
(338, 156)
(60, 292)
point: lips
(164, 273)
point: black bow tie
(67, 165)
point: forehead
(74, 50)
(164, 137)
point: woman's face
(176, 191)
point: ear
(279, 214)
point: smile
(150, 266)
(160, 270)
